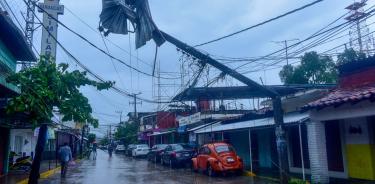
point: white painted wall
(362, 109)
(28, 140)
(357, 138)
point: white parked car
(140, 150)
(120, 148)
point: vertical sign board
(50, 9)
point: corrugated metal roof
(289, 118)
(14, 39)
(162, 133)
(203, 126)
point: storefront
(253, 140)
(4, 144)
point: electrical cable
(120, 91)
(113, 64)
(260, 24)
(306, 39)
(20, 26)
(96, 31)
(95, 46)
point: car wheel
(192, 168)
(239, 172)
(210, 171)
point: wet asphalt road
(122, 169)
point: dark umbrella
(116, 13)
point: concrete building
(13, 48)
(341, 132)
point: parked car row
(212, 158)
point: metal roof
(241, 92)
(288, 118)
(162, 133)
(14, 39)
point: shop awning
(203, 126)
(288, 118)
(242, 92)
(162, 133)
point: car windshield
(179, 147)
(143, 146)
(162, 146)
(223, 148)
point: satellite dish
(116, 14)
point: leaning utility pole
(276, 99)
(147, 30)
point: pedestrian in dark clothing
(94, 147)
(65, 156)
(110, 149)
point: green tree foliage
(350, 55)
(44, 87)
(314, 69)
(127, 134)
(104, 141)
(91, 137)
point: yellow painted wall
(361, 161)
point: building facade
(341, 132)
(13, 48)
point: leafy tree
(91, 137)
(127, 134)
(104, 141)
(350, 55)
(45, 86)
(314, 69)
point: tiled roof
(344, 95)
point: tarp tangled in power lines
(116, 13)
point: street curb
(46, 174)
(249, 173)
(43, 175)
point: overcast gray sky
(192, 21)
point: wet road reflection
(122, 169)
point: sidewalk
(15, 177)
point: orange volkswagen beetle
(217, 158)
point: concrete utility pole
(278, 112)
(120, 112)
(110, 132)
(50, 8)
(135, 105)
(285, 42)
